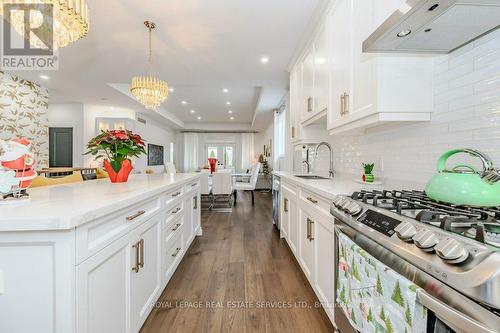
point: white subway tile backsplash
(466, 114)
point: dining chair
(250, 185)
(222, 187)
(205, 190)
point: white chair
(205, 190)
(250, 186)
(222, 187)
(170, 168)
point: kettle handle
(489, 173)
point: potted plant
(368, 176)
(116, 146)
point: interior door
(61, 147)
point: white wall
(466, 114)
(83, 120)
(70, 115)
(262, 138)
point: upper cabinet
(355, 89)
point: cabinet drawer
(192, 186)
(173, 254)
(173, 195)
(322, 204)
(175, 210)
(173, 227)
(94, 236)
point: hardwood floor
(238, 277)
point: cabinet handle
(136, 247)
(176, 210)
(309, 104)
(175, 194)
(285, 205)
(141, 260)
(193, 185)
(311, 222)
(136, 215)
(307, 230)
(342, 106)
(346, 103)
(314, 201)
(177, 250)
(176, 227)
(293, 132)
(195, 202)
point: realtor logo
(28, 36)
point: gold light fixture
(70, 20)
(149, 90)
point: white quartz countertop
(344, 184)
(62, 207)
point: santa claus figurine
(16, 168)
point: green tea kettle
(463, 184)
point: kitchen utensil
(463, 184)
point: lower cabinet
(117, 287)
(310, 236)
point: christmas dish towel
(374, 297)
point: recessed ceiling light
(404, 33)
(44, 77)
(232, 118)
(228, 103)
(225, 90)
(184, 102)
(199, 118)
(193, 111)
(230, 111)
(264, 60)
(171, 89)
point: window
(224, 153)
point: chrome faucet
(331, 172)
(306, 161)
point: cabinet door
(102, 290)
(322, 68)
(306, 245)
(341, 50)
(285, 215)
(145, 283)
(324, 276)
(307, 97)
(295, 88)
(188, 220)
(293, 225)
(196, 214)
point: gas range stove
(457, 245)
(481, 224)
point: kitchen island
(94, 256)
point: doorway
(61, 147)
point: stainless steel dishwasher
(276, 201)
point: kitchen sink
(311, 177)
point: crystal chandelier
(70, 20)
(149, 90)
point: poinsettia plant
(117, 146)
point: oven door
(441, 301)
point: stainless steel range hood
(434, 26)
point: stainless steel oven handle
(456, 320)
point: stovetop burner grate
(482, 224)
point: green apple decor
(368, 176)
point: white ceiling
(200, 47)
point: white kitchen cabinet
(145, 273)
(306, 245)
(384, 88)
(188, 220)
(295, 93)
(196, 218)
(103, 290)
(306, 106)
(324, 254)
(341, 53)
(284, 215)
(322, 69)
(289, 216)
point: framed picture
(155, 155)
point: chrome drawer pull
(176, 227)
(176, 252)
(312, 200)
(175, 194)
(136, 215)
(176, 210)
